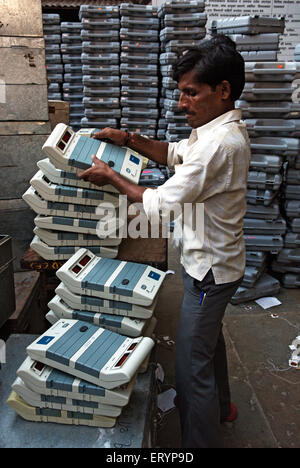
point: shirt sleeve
(200, 177)
(174, 156)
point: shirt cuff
(151, 204)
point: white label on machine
(63, 403)
(87, 274)
(66, 148)
(116, 323)
(100, 305)
(45, 379)
(91, 353)
(66, 252)
(67, 194)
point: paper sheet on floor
(267, 302)
(165, 400)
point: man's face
(198, 100)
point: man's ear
(225, 90)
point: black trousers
(201, 363)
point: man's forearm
(155, 150)
(133, 192)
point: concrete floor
(264, 388)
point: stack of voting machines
(82, 370)
(73, 213)
(113, 294)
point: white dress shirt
(211, 172)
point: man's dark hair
(214, 60)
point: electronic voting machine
(63, 403)
(67, 149)
(60, 239)
(117, 323)
(59, 176)
(100, 305)
(67, 251)
(46, 380)
(101, 227)
(33, 413)
(68, 194)
(69, 210)
(91, 353)
(131, 282)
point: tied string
(5, 265)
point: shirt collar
(230, 116)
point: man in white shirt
(211, 168)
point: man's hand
(152, 149)
(98, 174)
(102, 174)
(117, 137)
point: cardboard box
(59, 112)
